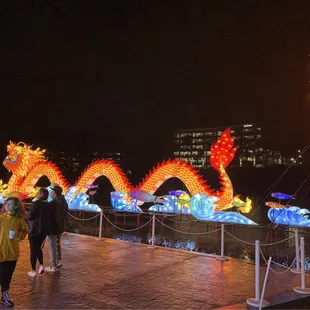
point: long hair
(15, 207)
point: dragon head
(21, 158)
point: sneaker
(32, 274)
(59, 264)
(5, 299)
(41, 269)
(51, 269)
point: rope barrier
(278, 242)
(91, 218)
(262, 244)
(130, 214)
(203, 233)
(277, 272)
(128, 230)
(188, 233)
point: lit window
(198, 147)
(176, 153)
(197, 134)
(219, 133)
(185, 147)
(197, 140)
(185, 153)
(258, 137)
(209, 133)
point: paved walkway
(119, 275)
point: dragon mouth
(9, 160)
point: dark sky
(138, 69)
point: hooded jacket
(58, 209)
(63, 211)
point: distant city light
(194, 148)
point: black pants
(6, 271)
(36, 250)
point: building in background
(260, 145)
(65, 160)
(72, 164)
(115, 156)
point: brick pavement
(119, 275)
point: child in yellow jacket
(13, 228)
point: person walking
(13, 229)
(63, 212)
(38, 228)
(58, 208)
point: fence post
(222, 257)
(254, 302)
(100, 227)
(297, 269)
(153, 234)
(303, 289)
(263, 303)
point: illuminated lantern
(27, 166)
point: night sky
(124, 74)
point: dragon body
(28, 165)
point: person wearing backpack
(38, 228)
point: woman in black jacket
(38, 228)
